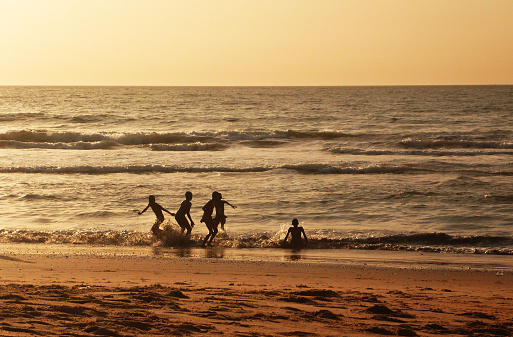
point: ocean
(406, 168)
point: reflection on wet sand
(183, 252)
(209, 253)
(178, 252)
(224, 253)
(214, 253)
(294, 255)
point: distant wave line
(140, 169)
(299, 168)
(454, 143)
(42, 136)
(419, 152)
(105, 145)
(25, 139)
(13, 144)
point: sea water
(421, 168)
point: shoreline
(341, 257)
(165, 270)
(129, 295)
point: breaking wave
(83, 141)
(216, 141)
(423, 242)
(419, 152)
(142, 169)
(14, 144)
(453, 143)
(154, 137)
(189, 147)
(299, 168)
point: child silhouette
(295, 233)
(219, 205)
(185, 210)
(210, 222)
(157, 209)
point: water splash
(173, 237)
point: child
(211, 223)
(157, 209)
(295, 233)
(185, 209)
(219, 204)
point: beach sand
(97, 295)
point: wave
(454, 143)
(32, 196)
(500, 198)
(315, 134)
(299, 168)
(36, 136)
(263, 143)
(12, 144)
(370, 169)
(411, 194)
(42, 136)
(133, 169)
(77, 140)
(424, 242)
(142, 169)
(82, 141)
(420, 152)
(189, 147)
(275, 136)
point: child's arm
(226, 202)
(304, 234)
(190, 218)
(165, 210)
(286, 236)
(144, 210)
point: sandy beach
(108, 295)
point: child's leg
(189, 229)
(215, 223)
(155, 229)
(185, 226)
(210, 232)
(214, 233)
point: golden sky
(256, 42)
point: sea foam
(172, 237)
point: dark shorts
(210, 222)
(182, 221)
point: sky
(256, 42)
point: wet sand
(108, 295)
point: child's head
(151, 198)
(215, 195)
(295, 222)
(188, 195)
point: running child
(157, 209)
(219, 204)
(185, 210)
(210, 222)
